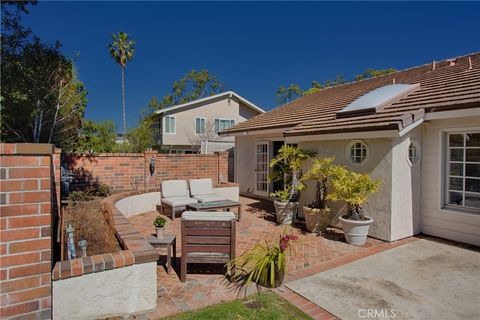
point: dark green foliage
(42, 101)
(102, 190)
(97, 137)
(76, 197)
(194, 85)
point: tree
(42, 101)
(284, 95)
(372, 73)
(292, 92)
(97, 137)
(122, 50)
(194, 85)
(142, 137)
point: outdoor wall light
(152, 166)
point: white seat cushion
(175, 188)
(200, 187)
(208, 198)
(178, 201)
(208, 216)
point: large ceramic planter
(284, 211)
(356, 231)
(160, 232)
(316, 220)
(279, 277)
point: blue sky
(253, 47)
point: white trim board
(226, 94)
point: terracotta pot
(285, 211)
(160, 232)
(316, 220)
(356, 231)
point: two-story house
(192, 127)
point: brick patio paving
(206, 286)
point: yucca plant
(353, 188)
(265, 263)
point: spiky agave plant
(265, 263)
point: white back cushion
(200, 187)
(174, 188)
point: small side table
(169, 242)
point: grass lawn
(265, 306)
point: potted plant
(159, 224)
(353, 188)
(286, 167)
(317, 213)
(265, 263)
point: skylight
(376, 99)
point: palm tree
(122, 49)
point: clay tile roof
(448, 87)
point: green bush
(103, 190)
(78, 196)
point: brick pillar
(222, 166)
(150, 180)
(25, 228)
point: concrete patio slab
(424, 279)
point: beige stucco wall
(223, 108)
(118, 292)
(460, 226)
(138, 203)
(379, 166)
(406, 187)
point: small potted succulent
(265, 263)
(159, 224)
(317, 213)
(286, 167)
(353, 188)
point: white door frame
(263, 170)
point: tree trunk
(123, 103)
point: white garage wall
(459, 226)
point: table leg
(169, 259)
(175, 251)
(239, 212)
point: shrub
(79, 196)
(281, 195)
(103, 190)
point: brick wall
(132, 171)
(25, 230)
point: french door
(261, 168)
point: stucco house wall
(224, 108)
(406, 187)
(455, 225)
(378, 166)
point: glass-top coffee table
(224, 205)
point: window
(413, 152)
(357, 152)
(223, 124)
(169, 124)
(463, 170)
(200, 124)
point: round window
(357, 152)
